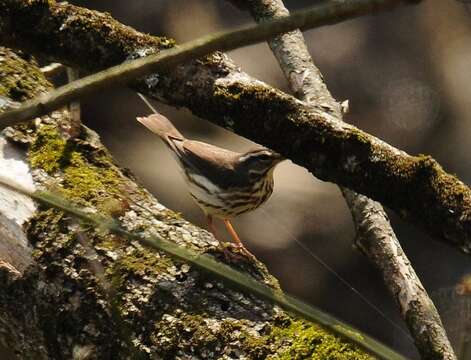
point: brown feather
(160, 125)
(216, 163)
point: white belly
(216, 202)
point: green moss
(233, 100)
(307, 341)
(196, 334)
(448, 189)
(91, 179)
(20, 81)
(359, 137)
(238, 92)
(143, 262)
(83, 180)
(87, 182)
(49, 151)
(437, 186)
(45, 224)
(291, 339)
(107, 43)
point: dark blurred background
(407, 76)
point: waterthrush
(223, 183)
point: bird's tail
(160, 125)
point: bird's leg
(227, 254)
(236, 238)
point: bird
(223, 183)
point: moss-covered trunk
(71, 291)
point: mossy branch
(222, 271)
(165, 60)
(217, 90)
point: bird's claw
(235, 253)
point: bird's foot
(234, 253)
(246, 252)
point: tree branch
(217, 90)
(290, 50)
(314, 17)
(379, 243)
(375, 235)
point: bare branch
(217, 90)
(379, 243)
(375, 235)
(291, 52)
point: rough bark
(375, 235)
(379, 243)
(416, 187)
(70, 291)
(290, 50)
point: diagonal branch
(377, 240)
(310, 18)
(416, 187)
(375, 235)
(291, 52)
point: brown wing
(213, 162)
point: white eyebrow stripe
(249, 155)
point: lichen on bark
(91, 293)
(85, 31)
(19, 81)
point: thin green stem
(222, 271)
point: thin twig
(52, 70)
(74, 106)
(375, 235)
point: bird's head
(259, 161)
